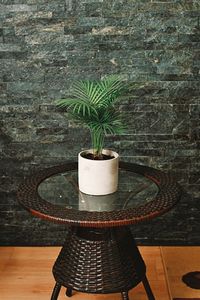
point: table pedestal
(100, 261)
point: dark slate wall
(45, 45)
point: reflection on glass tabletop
(133, 190)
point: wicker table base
(101, 261)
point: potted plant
(93, 105)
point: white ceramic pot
(98, 177)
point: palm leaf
(86, 90)
(110, 89)
(78, 106)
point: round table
(100, 254)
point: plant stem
(97, 143)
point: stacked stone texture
(46, 45)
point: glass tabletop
(133, 190)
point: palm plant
(93, 105)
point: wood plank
(178, 261)
(26, 274)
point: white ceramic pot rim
(104, 151)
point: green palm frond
(77, 106)
(101, 93)
(111, 88)
(92, 104)
(109, 123)
(86, 90)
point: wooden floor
(25, 274)
(177, 262)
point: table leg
(148, 288)
(56, 291)
(69, 292)
(125, 296)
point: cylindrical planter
(98, 177)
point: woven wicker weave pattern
(109, 264)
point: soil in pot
(93, 157)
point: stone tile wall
(45, 45)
